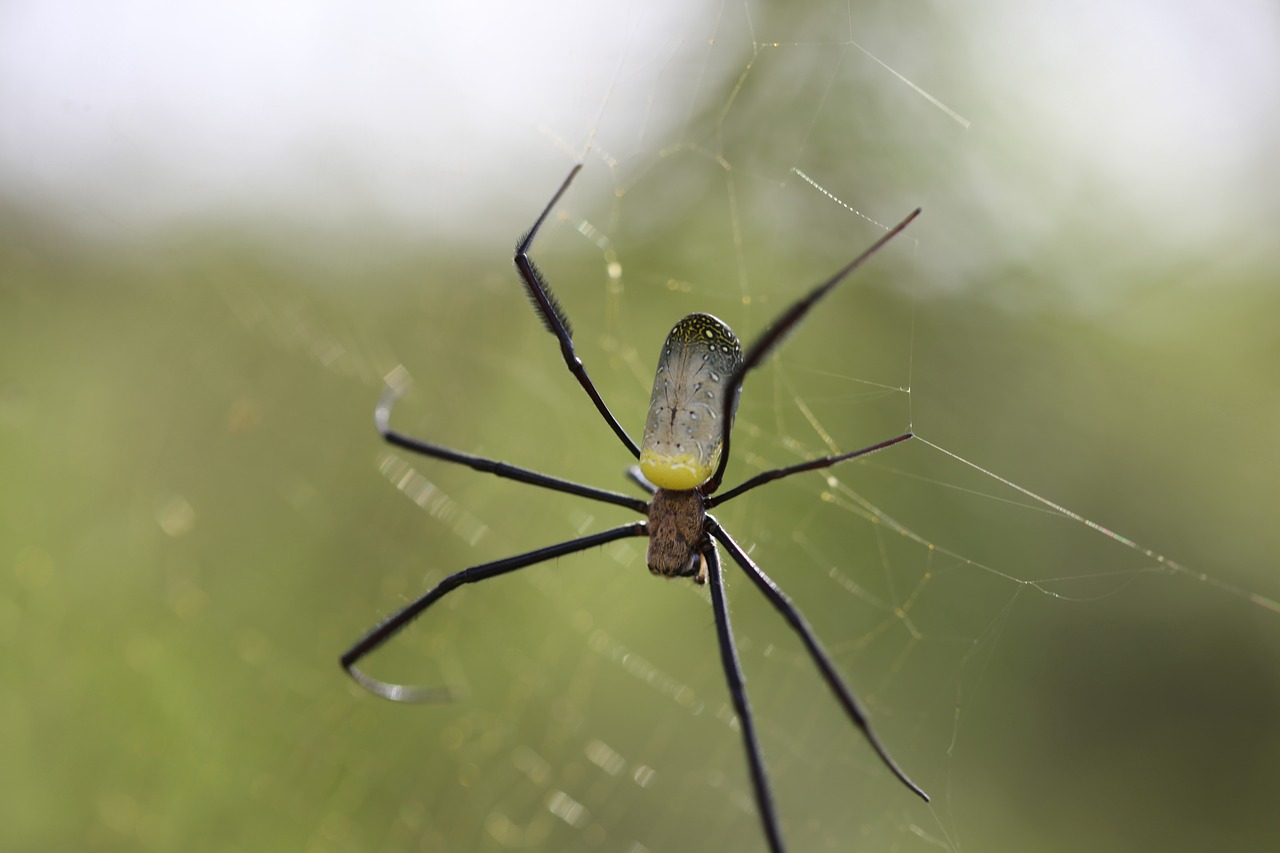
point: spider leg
(382, 419)
(777, 330)
(737, 690)
(798, 624)
(635, 476)
(390, 626)
(555, 318)
(813, 464)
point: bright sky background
(129, 114)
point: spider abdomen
(684, 431)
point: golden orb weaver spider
(682, 459)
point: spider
(682, 457)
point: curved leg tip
(402, 692)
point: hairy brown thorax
(676, 536)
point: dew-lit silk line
(1260, 600)
(820, 188)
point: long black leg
(785, 322)
(813, 464)
(388, 628)
(382, 418)
(556, 320)
(798, 624)
(737, 690)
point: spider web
(1056, 602)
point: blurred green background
(201, 296)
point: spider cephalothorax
(676, 535)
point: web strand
(1162, 560)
